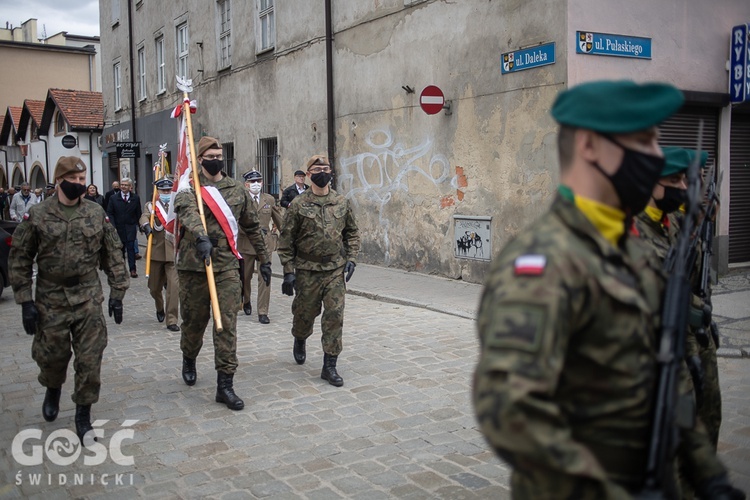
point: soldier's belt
(618, 460)
(69, 281)
(219, 242)
(320, 259)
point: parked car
(6, 237)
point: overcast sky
(77, 17)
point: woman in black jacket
(92, 193)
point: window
(34, 132)
(225, 33)
(115, 12)
(161, 84)
(267, 25)
(268, 165)
(229, 161)
(182, 51)
(141, 74)
(60, 124)
(118, 102)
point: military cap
(678, 160)
(68, 164)
(317, 160)
(164, 183)
(299, 172)
(207, 143)
(252, 175)
(49, 186)
(616, 107)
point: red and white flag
(183, 170)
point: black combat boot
(188, 370)
(329, 371)
(83, 421)
(299, 351)
(225, 391)
(51, 404)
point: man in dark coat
(124, 210)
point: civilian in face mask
(162, 273)
(21, 202)
(318, 247)
(268, 211)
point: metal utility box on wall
(472, 237)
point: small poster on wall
(473, 237)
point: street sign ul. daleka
(533, 57)
(604, 44)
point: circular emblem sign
(431, 100)
(69, 141)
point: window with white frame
(225, 33)
(60, 127)
(118, 102)
(182, 51)
(161, 84)
(115, 12)
(141, 73)
(267, 29)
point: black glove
(698, 375)
(30, 317)
(707, 315)
(115, 307)
(349, 270)
(265, 272)
(719, 488)
(287, 287)
(146, 228)
(204, 246)
(715, 333)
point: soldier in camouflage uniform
(658, 226)
(70, 239)
(162, 273)
(265, 204)
(319, 243)
(568, 320)
(198, 246)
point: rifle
(659, 474)
(706, 234)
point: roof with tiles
(32, 110)
(83, 110)
(10, 123)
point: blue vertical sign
(739, 65)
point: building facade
(276, 82)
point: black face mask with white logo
(72, 190)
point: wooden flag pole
(199, 198)
(154, 197)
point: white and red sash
(163, 216)
(218, 206)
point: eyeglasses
(317, 170)
(213, 157)
(255, 181)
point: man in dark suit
(115, 190)
(298, 187)
(124, 210)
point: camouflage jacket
(319, 233)
(564, 388)
(68, 254)
(241, 205)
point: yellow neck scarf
(654, 213)
(609, 221)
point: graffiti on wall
(376, 175)
(473, 237)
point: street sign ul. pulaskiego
(739, 64)
(605, 44)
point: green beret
(616, 107)
(678, 160)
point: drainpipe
(46, 158)
(134, 173)
(329, 89)
(91, 159)
(7, 169)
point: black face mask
(321, 179)
(635, 179)
(673, 198)
(213, 167)
(72, 190)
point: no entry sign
(431, 100)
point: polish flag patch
(530, 265)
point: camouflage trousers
(81, 327)
(264, 291)
(163, 274)
(709, 410)
(313, 289)
(195, 310)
